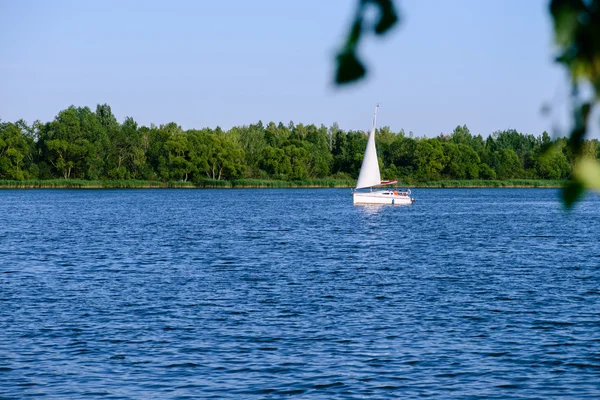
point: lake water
(248, 294)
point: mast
(374, 119)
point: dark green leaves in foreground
(349, 66)
(577, 35)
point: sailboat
(370, 177)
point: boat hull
(384, 197)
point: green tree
(348, 152)
(486, 172)
(127, 155)
(462, 161)
(225, 158)
(276, 163)
(299, 158)
(158, 154)
(253, 142)
(429, 160)
(401, 154)
(553, 164)
(15, 151)
(508, 165)
(66, 145)
(319, 155)
(179, 165)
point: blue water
(252, 294)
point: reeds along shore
(258, 183)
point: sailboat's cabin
(396, 192)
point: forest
(92, 145)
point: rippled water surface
(248, 294)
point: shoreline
(272, 184)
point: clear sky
(200, 63)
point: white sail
(369, 171)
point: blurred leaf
(567, 56)
(565, 14)
(355, 32)
(585, 110)
(349, 68)
(548, 149)
(387, 16)
(587, 172)
(571, 193)
(576, 139)
(579, 131)
(586, 175)
(546, 109)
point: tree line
(84, 144)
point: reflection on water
(370, 209)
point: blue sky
(486, 64)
